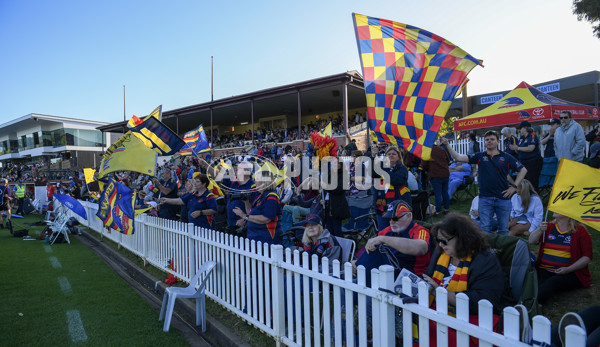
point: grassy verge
(43, 283)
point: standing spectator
(595, 155)
(336, 205)
(494, 188)
(168, 189)
(473, 145)
(201, 203)
(4, 202)
(528, 149)
(439, 176)
(19, 192)
(509, 140)
(548, 140)
(263, 219)
(569, 139)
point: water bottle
(47, 239)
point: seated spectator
(403, 244)
(319, 241)
(527, 210)
(594, 160)
(563, 256)
(464, 263)
(458, 171)
(303, 200)
(594, 135)
(360, 199)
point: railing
(299, 301)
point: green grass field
(46, 288)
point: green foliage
(590, 11)
(447, 126)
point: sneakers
(524, 326)
(570, 318)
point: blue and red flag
(195, 142)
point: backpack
(515, 260)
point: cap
(524, 124)
(397, 208)
(312, 219)
(554, 121)
(594, 149)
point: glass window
(47, 138)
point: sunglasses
(395, 219)
(445, 242)
(567, 117)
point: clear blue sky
(72, 58)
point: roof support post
(345, 106)
(211, 127)
(299, 116)
(252, 116)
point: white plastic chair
(172, 293)
(348, 247)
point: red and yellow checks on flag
(411, 77)
(576, 192)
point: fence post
(386, 311)
(575, 336)
(541, 330)
(278, 300)
(143, 218)
(191, 253)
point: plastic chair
(348, 247)
(172, 293)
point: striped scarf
(458, 282)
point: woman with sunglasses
(396, 188)
(464, 263)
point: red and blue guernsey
(266, 204)
(204, 201)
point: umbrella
(72, 204)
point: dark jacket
(337, 205)
(485, 280)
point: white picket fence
(298, 302)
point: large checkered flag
(411, 77)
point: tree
(590, 11)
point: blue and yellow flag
(155, 135)
(128, 154)
(116, 207)
(195, 142)
(411, 77)
(576, 192)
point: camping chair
(348, 247)
(467, 188)
(172, 293)
(547, 175)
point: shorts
(5, 206)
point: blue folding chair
(547, 175)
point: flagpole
(211, 96)
(124, 115)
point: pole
(211, 97)
(124, 114)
